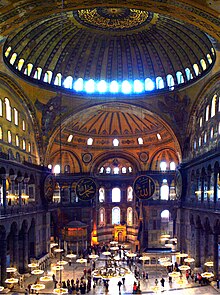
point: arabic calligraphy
(144, 187)
(86, 189)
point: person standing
(162, 282)
(119, 286)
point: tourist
(119, 286)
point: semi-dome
(99, 46)
(132, 126)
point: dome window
(140, 140)
(102, 86)
(38, 73)
(90, 86)
(78, 85)
(179, 77)
(90, 141)
(115, 142)
(68, 82)
(126, 87)
(58, 80)
(70, 137)
(149, 84)
(138, 86)
(114, 88)
(159, 83)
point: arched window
(9, 136)
(179, 77)
(164, 190)
(108, 170)
(165, 216)
(203, 64)
(7, 51)
(172, 166)
(101, 195)
(29, 147)
(205, 137)
(209, 58)
(149, 84)
(140, 140)
(1, 108)
(129, 194)
(24, 144)
(78, 84)
(20, 64)
(101, 170)
(68, 82)
(90, 86)
(196, 69)
(163, 166)
(200, 122)
(101, 216)
(18, 157)
(126, 87)
(23, 125)
(56, 169)
(170, 81)
(213, 105)
(13, 58)
(138, 86)
(17, 140)
(124, 170)
(115, 142)
(58, 80)
(16, 116)
(114, 87)
(38, 73)
(116, 194)
(129, 216)
(48, 76)
(90, 141)
(102, 86)
(159, 83)
(116, 215)
(116, 170)
(207, 113)
(28, 69)
(1, 133)
(212, 133)
(67, 169)
(8, 109)
(188, 74)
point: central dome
(109, 45)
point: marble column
(4, 192)
(15, 250)
(215, 256)
(25, 252)
(198, 249)
(3, 255)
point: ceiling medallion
(117, 19)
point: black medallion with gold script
(144, 187)
(86, 189)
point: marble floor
(75, 270)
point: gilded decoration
(113, 18)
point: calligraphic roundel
(86, 189)
(144, 187)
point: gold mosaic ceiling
(110, 44)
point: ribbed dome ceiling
(106, 122)
(110, 44)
